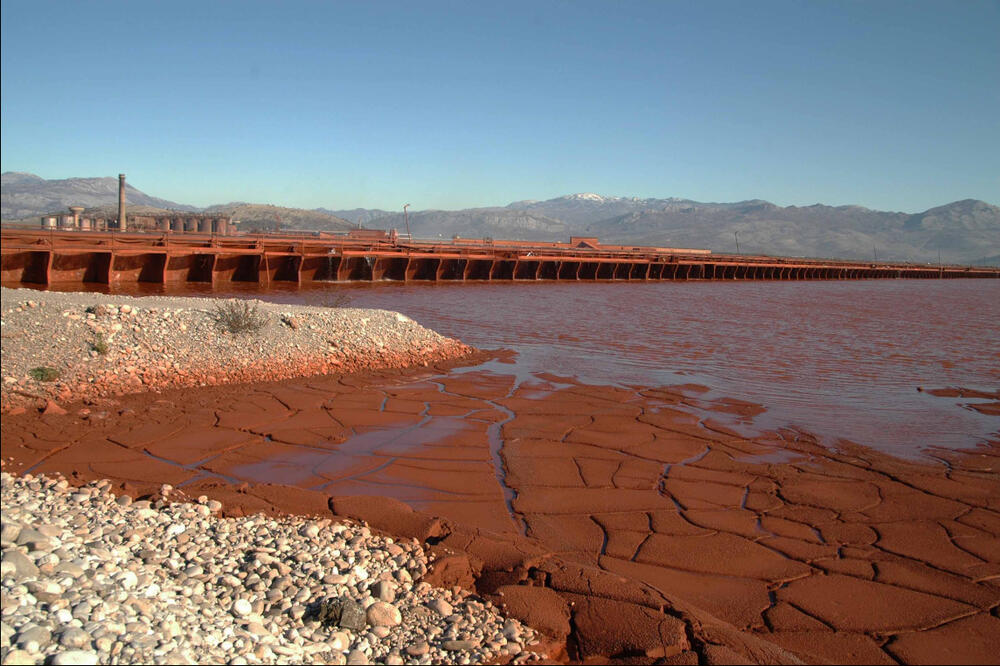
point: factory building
(176, 222)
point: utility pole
(736, 235)
(406, 216)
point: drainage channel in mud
(359, 458)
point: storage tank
(76, 211)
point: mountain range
(966, 231)
(27, 195)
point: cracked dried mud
(610, 518)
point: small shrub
(100, 344)
(238, 316)
(43, 373)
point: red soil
(989, 408)
(629, 528)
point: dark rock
(343, 613)
(353, 616)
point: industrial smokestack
(121, 202)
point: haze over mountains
(965, 231)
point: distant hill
(477, 223)
(961, 232)
(587, 207)
(267, 217)
(26, 195)
(362, 216)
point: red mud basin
(841, 360)
(596, 482)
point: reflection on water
(369, 450)
(841, 359)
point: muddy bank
(991, 408)
(612, 519)
(67, 346)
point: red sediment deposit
(991, 408)
(612, 519)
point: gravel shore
(82, 346)
(88, 577)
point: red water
(839, 359)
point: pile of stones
(88, 577)
(99, 346)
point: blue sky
(891, 105)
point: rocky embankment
(89, 577)
(63, 347)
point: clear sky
(891, 105)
